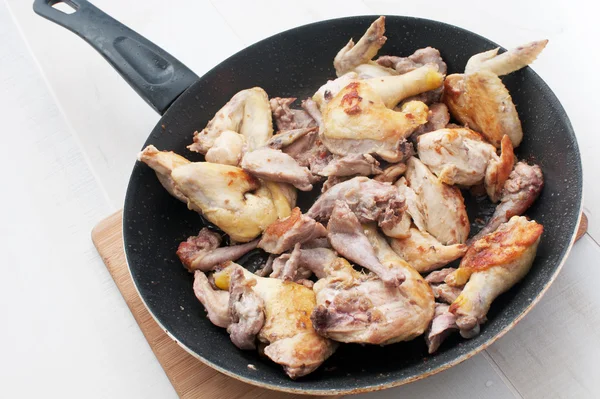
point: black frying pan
(295, 63)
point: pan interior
(294, 64)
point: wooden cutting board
(190, 377)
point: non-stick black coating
(295, 63)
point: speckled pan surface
(295, 63)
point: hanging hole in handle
(64, 6)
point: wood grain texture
(190, 377)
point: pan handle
(157, 76)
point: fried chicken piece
(229, 197)
(438, 276)
(247, 113)
(507, 62)
(423, 56)
(367, 198)
(445, 293)
(351, 56)
(346, 236)
(522, 188)
(227, 148)
(360, 308)
(277, 166)
(491, 266)
(357, 121)
(330, 89)
(282, 235)
(288, 137)
(202, 252)
(352, 165)
(461, 157)
(479, 99)
(287, 118)
(440, 207)
(442, 325)
(216, 302)
(498, 170)
(246, 310)
(163, 163)
(288, 331)
(391, 173)
(424, 253)
(438, 118)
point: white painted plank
(66, 332)
(255, 20)
(109, 118)
(472, 379)
(553, 352)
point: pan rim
(407, 380)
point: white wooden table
(71, 130)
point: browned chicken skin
(491, 266)
(297, 228)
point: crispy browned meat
(202, 252)
(282, 235)
(522, 188)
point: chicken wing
(356, 121)
(351, 56)
(202, 252)
(247, 113)
(498, 170)
(507, 62)
(346, 236)
(424, 253)
(440, 207)
(491, 266)
(522, 188)
(277, 166)
(479, 99)
(282, 235)
(228, 196)
(288, 331)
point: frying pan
(295, 63)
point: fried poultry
(380, 140)
(277, 166)
(492, 265)
(479, 99)
(522, 188)
(288, 331)
(163, 163)
(360, 308)
(346, 236)
(357, 121)
(440, 206)
(370, 200)
(247, 113)
(228, 196)
(202, 252)
(297, 228)
(461, 157)
(424, 253)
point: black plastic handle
(157, 76)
